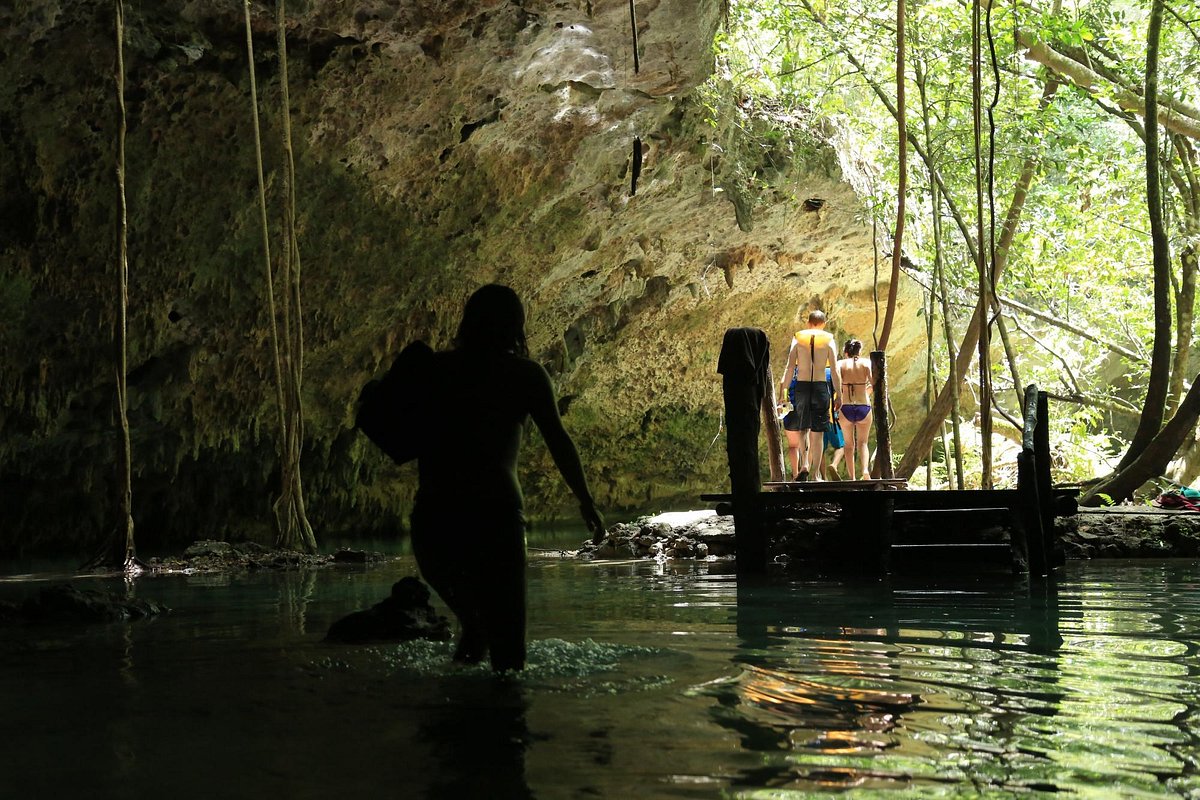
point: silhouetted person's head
(493, 321)
(853, 348)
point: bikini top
(853, 383)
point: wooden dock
(879, 515)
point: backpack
(393, 410)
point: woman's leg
(862, 430)
(848, 432)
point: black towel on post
(745, 353)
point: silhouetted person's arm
(544, 411)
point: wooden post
(1041, 462)
(1030, 504)
(883, 433)
(745, 352)
(771, 426)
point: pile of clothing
(1184, 499)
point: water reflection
(477, 738)
(645, 681)
(878, 686)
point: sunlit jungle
(428, 399)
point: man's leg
(793, 442)
(814, 451)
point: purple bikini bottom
(854, 412)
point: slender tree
(983, 270)
(1154, 406)
(1117, 485)
(901, 182)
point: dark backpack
(393, 410)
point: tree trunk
(883, 434)
(1153, 408)
(902, 182)
(1175, 116)
(983, 272)
(1185, 304)
(1154, 458)
(939, 272)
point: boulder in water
(406, 614)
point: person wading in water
(468, 528)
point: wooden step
(997, 554)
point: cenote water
(644, 681)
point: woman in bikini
(856, 406)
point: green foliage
(1081, 253)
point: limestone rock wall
(441, 144)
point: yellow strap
(820, 338)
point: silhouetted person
(468, 526)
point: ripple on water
(551, 664)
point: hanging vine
(292, 527)
(118, 551)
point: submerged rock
(67, 603)
(207, 555)
(406, 614)
(349, 556)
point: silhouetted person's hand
(595, 522)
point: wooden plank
(872, 485)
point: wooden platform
(952, 520)
(877, 484)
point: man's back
(814, 350)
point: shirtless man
(813, 349)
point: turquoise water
(644, 682)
